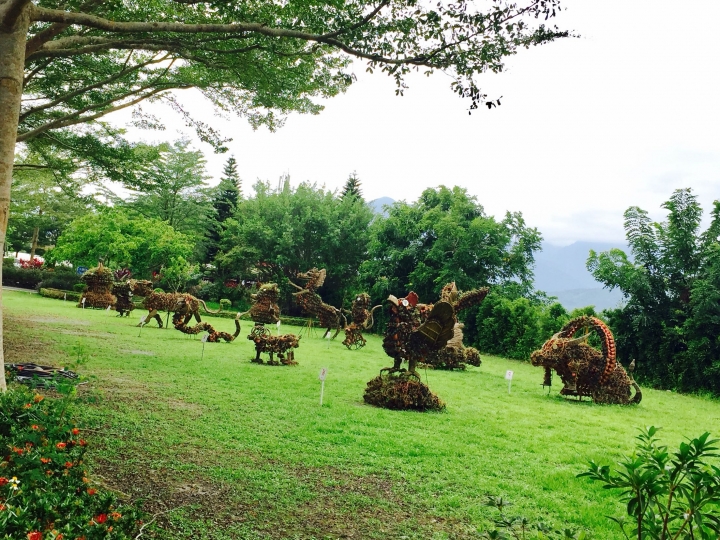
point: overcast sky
(621, 116)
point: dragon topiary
(310, 301)
(362, 319)
(584, 370)
(180, 323)
(154, 302)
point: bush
(61, 295)
(44, 487)
(60, 278)
(20, 277)
(668, 496)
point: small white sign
(83, 300)
(204, 337)
(509, 375)
(107, 308)
(142, 319)
(323, 374)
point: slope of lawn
(222, 448)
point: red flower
(3, 480)
(102, 518)
(35, 427)
(60, 446)
(82, 442)
(27, 405)
(45, 460)
(17, 450)
(68, 464)
(38, 398)
(75, 431)
(91, 491)
(34, 535)
(2, 507)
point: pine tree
(352, 187)
(227, 194)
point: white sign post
(328, 336)
(107, 310)
(64, 297)
(142, 323)
(278, 327)
(83, 302)
(323, 374)
(204, 338)
(508, 378)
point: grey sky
(587, 127)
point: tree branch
(84, 89)
(39, 39)
(73, 119)
(361, 22)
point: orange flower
(60, 445)
(82, 442)
(17, 450)
(45, 460)
(34, 535)
(3, 480)
(38, 398)
(75, 431)
(116, 515)
(102, 518)
(35, 427)
(27, 405)
(49, 473)
(85, 480)
(2, 507)
(68, 464)
(91, 491)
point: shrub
(58, 278)
(668, 496)
(520, 528)
(20, 277)
(44, 487)
(70, 296)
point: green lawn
(223, 448)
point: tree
(41, 208)
(352, 187)
(278, 233)
(71, 63)
(445, 236)
(669, 286)
(224, 205)
(118, 238)
(173, 189)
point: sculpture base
(401, 391)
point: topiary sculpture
(180, 323)
(362, 319)
(307, 298)
(98, 283)
(584, 370)
(154, 302)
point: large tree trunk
(12, 62)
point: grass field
(226, 449)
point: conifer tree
(352, 187)
(225, 201)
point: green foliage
(279, 233)
(120, 238)
(667, 322)
(446, 236)
(226, 196)
(668, 496)
(352, 187)
(60, 278)
(513, 327)
(178, 272)
(44, 486)
(28, 278)
(521, 528)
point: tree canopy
(669, 284)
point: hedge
(60, 294)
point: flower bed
(45, 491)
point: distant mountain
(377, 205)
(560, 271)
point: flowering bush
(45, 492)
(33, 263)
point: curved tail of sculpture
(204, 305)
(470, 299)
(371, 320)
(637, 398)
(237, 326)
(606, 340)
